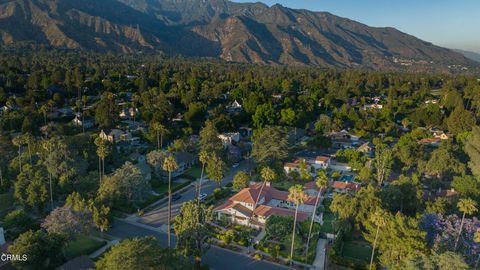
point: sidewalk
(101, 250)
(319, 263)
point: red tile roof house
(345, 187)
(272, 202)
(319, 163)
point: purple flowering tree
(442, 233)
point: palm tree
(378, 218)
(160, 131)
(297, 196)
(467, 207)
(44, 110)
(267, 175)
(321, 183)
(170, 165)
(18, 141)
(29, 140)
(48, 146)
(103, 150)
(203, 157)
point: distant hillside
(470, 55)
(252, 33)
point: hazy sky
(448, 23)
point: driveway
(217, 258)
(319, 263)
(158, 216)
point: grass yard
(82, 245)
(357, 250)
(328, 223)
(194, 172)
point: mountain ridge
(239, 32)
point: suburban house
(85, 122)
(372, 107)
(430, 141)
(229, 138)
(311, 189)
(185, 161)
(128, 113)
(312, 165)
(345, 187)
(344, 140)
(115, 135)
(235, 107)
(271, 202)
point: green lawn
(163, 188)
(357, 250)
(328, 223)
(82, 245)
(195, 171)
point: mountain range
(238, 32)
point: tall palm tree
(18, 141)
(103, 150)
(160, 131)
(170, 165)
(203, 157)
(297, 196)
(48, 147)
(268, 175)
(29, 140)
(44, 110)
(378, 219)
(321, 183)
(467, 207)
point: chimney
(267, 184)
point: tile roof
(345, 185)
(267, 211)
(322, 159)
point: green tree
(321, 183)
(125, 187)
(209, 141)
(269, 145)
(297, 196)
(106, 111)
(30, 188)
(383, 162)
(191, 228)
(460, 120)
(378, 219)
(101, 217)
(265, 115)
(467, 207)
(203, 157)
(170, 165)
(103, 150)
(17, 222)
(43, 251)
(216, 169)
(160, 131)
(472, 148)
(140, 253)
(241, 180)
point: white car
(235, 165)
(202, 196)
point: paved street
(159, 215)
(217, 258)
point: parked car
(202, 196)
(176, 197)
(235, 165)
